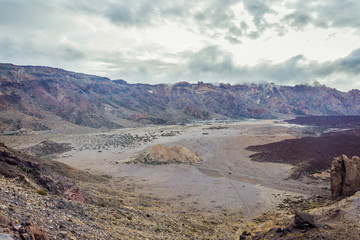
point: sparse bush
(42, 192)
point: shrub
(42, 192)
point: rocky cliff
(345, 176)
(36, 97)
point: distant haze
(286, 42)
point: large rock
(345, 176)
(304, 220)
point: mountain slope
(34, 97)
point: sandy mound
(46, 148)
(160, 154)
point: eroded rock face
(13, 165)
(345, 176)
(86, 99)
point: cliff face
(345, 176)
(35, 93)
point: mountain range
(38, 98)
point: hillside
(38, 97)
(40, 196)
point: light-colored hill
(160, 154)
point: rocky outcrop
(14, 164)
(345, 176)
(304, 220)
(160, 154)
(27, 230)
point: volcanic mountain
(38, 98)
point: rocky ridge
(18, 165)
(38, 97)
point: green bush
(42, 192)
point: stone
(73, 193)
(244, 235)
(345, 176)
(304, 220)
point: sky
(230, 41)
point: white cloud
(286, 42)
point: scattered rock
(245, 235)
(345, 176)
(31, 231)
(25, 231)
(160, 154)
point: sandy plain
(225, 181)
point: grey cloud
(7, 49)
(349, 65)
(212, 64)
(140, 14)
(299, 19)
(233, 39)
(205, 17)
(257, 9)
(70, 53)
(211, 60)
(332, 13)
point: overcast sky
(232, 41)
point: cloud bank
(286, 42)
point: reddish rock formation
(13, 164)
(345, 176)
(73, 193)
(28, 95)
(25, 231)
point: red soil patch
(318, 152)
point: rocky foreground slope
(39, 98)
(334, 220)
(41, 196)
(32, 209)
